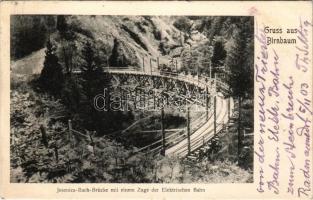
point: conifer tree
(90, 70)
(51, 77)
(61, 24)
(241, 69)
(93, 82)
(219, 54)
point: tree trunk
(188, 130)
(239, 131)
(44, 135)
(56, 154)
(163, 133)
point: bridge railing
(202, 81)
(130, 68)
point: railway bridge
(157, 90)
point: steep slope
(31, 64)
(134, 37)
(120, 41)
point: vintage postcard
(156, 100)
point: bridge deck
(206, 132)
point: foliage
(93, 157)
(29, 111)
(78, 159)
(71, 95)
(61, 24)
(219, 52)
(117, 58)
(90, 69)
(51, 77)
(29, 33)
(90, 81)
(240, 59)
(183, 24)
(68, 55)
(232, 41)
(197, 60)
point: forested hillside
(124, 41)
(46, 92)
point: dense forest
(229, 43)
(42, 104)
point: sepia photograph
(131, 99)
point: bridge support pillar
(188, 130)
(107, 60)
(214, 115)
(154, 101)
(206, 103)
(144, 100)
(215, 83)
(163, 132)
(140, 99)
(135, 98)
